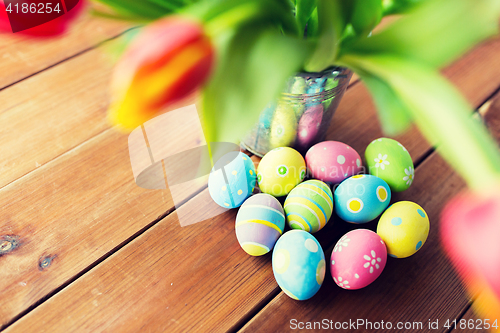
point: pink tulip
(470, 232)
(167, 62)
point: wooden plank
(258, 300)
(22, 56)
(417, 289)
(470, 322)
(215, 285)
(69, 213)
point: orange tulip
(167, 62)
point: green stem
(441, 114)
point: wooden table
(83, 248)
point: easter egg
(361, 198)
(259, 223)
(280, 170)
(283, 126)
(309, 206)
(332, 161)
(404, 227)
(239, 171)
(298, 264)
(309, 125)
(358, 259)
(389, 160)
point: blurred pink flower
(470, 232)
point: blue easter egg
(232, 180)
(298, 264)
(361, 198)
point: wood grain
(22, 56)
(470, 322)
(215, 286)
(218, 285)
(415, 289)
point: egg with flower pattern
(361, 198)
(232, 180)
(358, 259)
(298, 264)
(388, 159)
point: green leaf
(399, 6)
(312, 24)
(394, 115)
(331, 24)
(251, 71)
(303, 11)
(436, 33)
(441, 114)
(366, 14)
(144, 9)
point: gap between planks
(467, 309)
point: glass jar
(301, 116)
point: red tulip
(51, 28)
(470, 231)
(167, 61)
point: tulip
(166, 62)
(51, 28)
(470, 232)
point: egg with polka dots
(358, 259)
(259, 224)
(232, 180)
(332, 161)
(298, 264)
(280, 170)
(404, 227)
(361, 198)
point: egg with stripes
(232, 180)
(259, 223)
(298, 264)
(309, 206)
(361, 198)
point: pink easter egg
(358, 259)
(333, 161)
(309, 125)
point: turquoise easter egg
(259, 224)
(361, 198)
(309, 206)
(298, 264)
(388, 159)
(232, 180)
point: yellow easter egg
(404, 228)
(280, 171)
(283, 126)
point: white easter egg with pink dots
(332, 161)
(358, 259)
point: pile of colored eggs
(298, 260)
